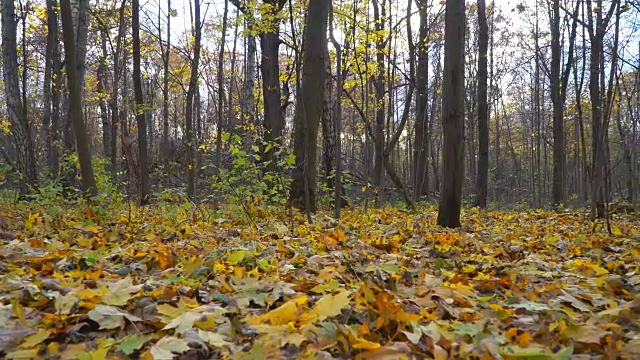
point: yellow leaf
(24, 354)
(360, 343)
(328, 306)
(236, 256)
(35, 339)
(284, 314)
(192, 265)
(19, 311)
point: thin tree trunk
(165, 85)
(483, 110)
(379, 15)
(141, 120)
(52, 38)
(102, 92)
(115, 88)
(20, 127)
(337, 117)
(421, 138)
(193, 83)
(220, 78)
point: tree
(379, 16)
(270, 69)
(309, 105)
(421, 135)
(20, 126)
(140, 107)
(75, 101)
(220, 81)
(597, 32)
(51, 101)
(337, 118)
(483, 108)
(166, 52)
(558, 121)
(193, 84)
(115, 89)
(558, 95)
(452, 115)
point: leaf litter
(169, 282)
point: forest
(320, 179)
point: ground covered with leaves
(172, 281)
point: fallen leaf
(167, 347)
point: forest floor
(172, 281)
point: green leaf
(132, 343)
(530, 306)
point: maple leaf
(186, 320)
(328, 306)
(119, 293)
(35, 339)
(110, 317)
(213, 339)
(282, 315)
(132, 343)
(167, 347)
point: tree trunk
(270, 68)
(379, 14)
(141, 120)
(328, 129)
(421, 140)
(483, 109)
(20, 127)
(193, 84)
(597, 32)
(75, 101)
(337, 118)
(220, 79)
(52, 39)
(56, 93)
(165, 85)
(309, 105)
(453, 115)
(102, 93)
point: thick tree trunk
(309, 105)
(270, 69)
(75, 101)
(453, 115)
